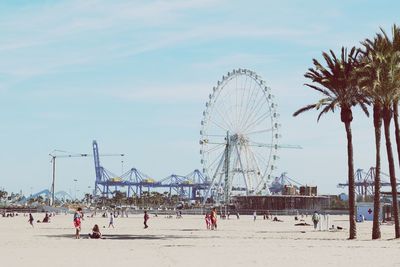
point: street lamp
(89, 195)
(75, 180)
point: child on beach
(31, 219)
(95, 232)
(111, 221)
(214, 219)
(146, 218)
(208, 221)
(77, 222)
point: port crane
(365, 182)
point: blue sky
(135, 76)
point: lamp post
(89, 196)
(75, 180)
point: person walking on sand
(111, 220)
(77, 222)
(145, 218)
(31, 219)
(214, 219)
(315, 219)
(254, 216)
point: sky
(135, 76)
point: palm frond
(323, 91)
(364, 108)
(337, 80)
(324, 110)
(303, 109)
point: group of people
(211, 219)
(9, 214)
(46, 218)
(96, 234)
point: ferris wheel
(239, 136)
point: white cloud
(127, 29)
(163, 93)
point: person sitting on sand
(46, 218)
(95, 232)
(77, 222)
(360, 218)
(276, 219)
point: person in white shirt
(111, 220)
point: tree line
(368, 77)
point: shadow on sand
(125, 237)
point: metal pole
(54, 179)
(227, 186)
(75, 180)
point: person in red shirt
(78, 216)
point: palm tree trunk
(396, 126)
(376, 231)
(352, 199)
(387, 115)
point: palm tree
(119, 197)
(339, 90)
(3, 194)
(396, 49)
(395, 44)
(389, 79)
(368, 75)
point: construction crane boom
(72, 155)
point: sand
(186, 242)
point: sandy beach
(186, 242)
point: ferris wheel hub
(239, 139)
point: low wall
(277, 203)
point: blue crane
(364, 182)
